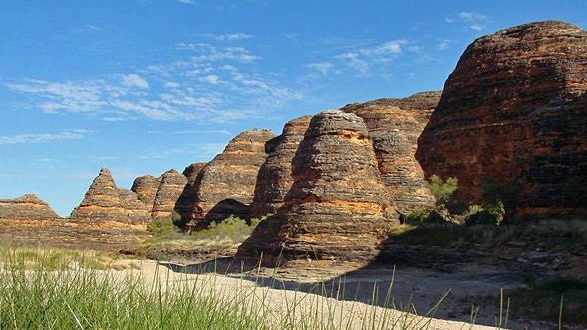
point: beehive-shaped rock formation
(27, 207)
(170, 188)
(337, 208)
(394, 126)
(106, 202)
(185, 203)
(274, 179)
(146, 187)
(513, 113)
(226, 185)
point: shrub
(443, 189)
(161, 225)
(232, 228)
(499, 200)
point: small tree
(443, 189)
(499, 200)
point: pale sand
(278, 303)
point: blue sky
(143, 86)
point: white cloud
(387, 48)
(211, 79)
(363, 60)
(194, 132)
(75, 134)
(322, 67)
(228, 37)
(474, 21)
(134, 80)
(210, 53)
(443, 45)
(353, 61)
(204, 82)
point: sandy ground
(280, 300)
(468, 283)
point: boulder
(27, 207)
(337, 207)
(513, 115)
(394, 126)
(105, 202)
(226, 185)
(170, 188)
(274, 178)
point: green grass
(51, 259)
(84, 298)
(167, 240)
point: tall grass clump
(84, 298)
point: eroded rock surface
(514, 113)
(274, 179)
(146, 187)
(170, 188)
(337, 208)
(394, 126)
(27, 207)
(226, 185)
(185, 204)
(104, 201)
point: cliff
(513, 114)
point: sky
(144, 86)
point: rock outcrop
(226, 185)
(394, 126)
(27, 207)
(106, 202)
(274, 179)
(146, 187)
(170, 188)
(513, 113)
(185, 204)
(337, 207)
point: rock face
(27, 207)
(337, 207)
(170, 188)
(146, 188)
(104, 201)
(185, 204)
(274, 179)
(394, 126)
(514, 113)
(226, 185)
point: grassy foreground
(58, 289)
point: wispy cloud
(193, 132)
(443, 45)
(134, 80)
(204, 82)
(75, 134)
(362, 60)
(474, 21)
(322, 67)
(228, 37)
